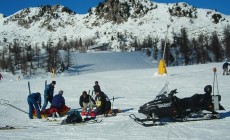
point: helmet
(208, 89)
(60, 92)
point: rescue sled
(48, 112)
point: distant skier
(48, 94)
(225, 67)
(96, 87)
(34, 101)
(86, 101)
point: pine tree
(10, 63)
(37, 53)
(216, 47)
(227, 41)
(185, 45)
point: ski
(92, 121)
(45, 83)
(7, 127)
(29, 87)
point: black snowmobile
(168, 106)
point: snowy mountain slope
(111, 61)
(39, 24)
(136, 87)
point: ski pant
(225, 71)
(46, 100)
(33, 104)
(89, 105)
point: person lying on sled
(86, 101)
(57, 103)
(103, 103)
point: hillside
(117, 23)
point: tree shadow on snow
(79, 68)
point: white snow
(136, 86)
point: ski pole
(214, 70)
(6, 103)
(29, 87)
(113, 102)
(217, 85)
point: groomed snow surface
(134, 87)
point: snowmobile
(167, 105)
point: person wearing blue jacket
(57, 103)
(58, 100)
(48, 94)
(34, 101)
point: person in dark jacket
(225, 67)
(48, 94)
(96, 87)
(103, 103)
(86, 101)
(34, 101)
(57, 103)
(58, 100)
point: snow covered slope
(134, 87)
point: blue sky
(9, 7)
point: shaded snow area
(110, 61)
(133, 87)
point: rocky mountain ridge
(115, 22)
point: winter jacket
(105, 103)
(58, 101)
(225, 65)
(35, 98)
(49, 91)
(85, 100)
(96, 88)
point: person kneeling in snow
(34, 101)
(86, 101)
(103, 103)
(57, 103)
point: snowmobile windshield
(163, 93)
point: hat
(84, 93)
(54, 82)
(60, 92)
(96, 82)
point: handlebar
(173, 92)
